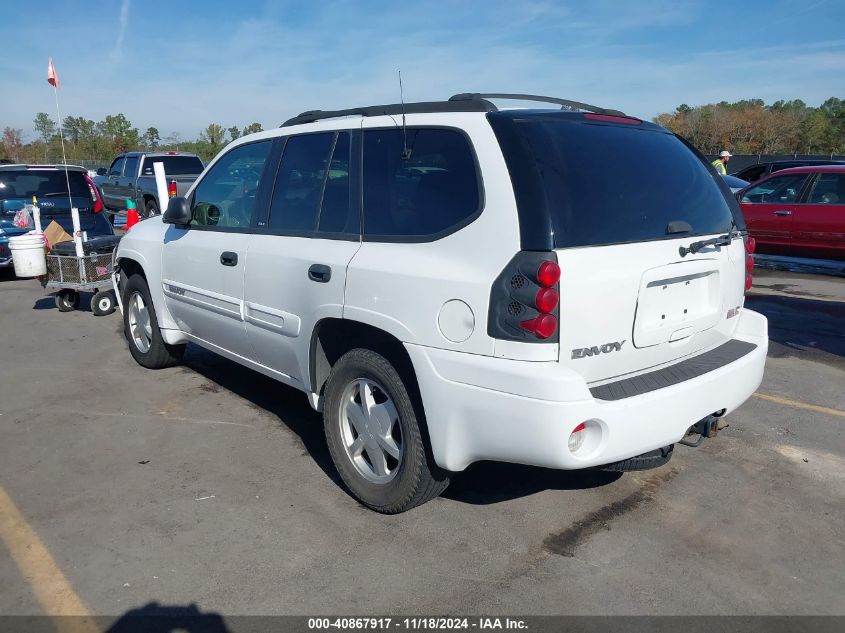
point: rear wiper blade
(722, 240)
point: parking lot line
(800, 405)
(37, 566)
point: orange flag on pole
(52, 75)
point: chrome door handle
(782, 212)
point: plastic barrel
(28, 255)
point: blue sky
(179, 65)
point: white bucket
(28, 255)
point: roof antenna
(406, 153)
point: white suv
(449, 282)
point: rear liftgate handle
(228, 258)
(320, 273)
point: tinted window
(337, 215)
(225, 197)
(299, 183)
(775, 190)
(174, 165)
(607, 184)
(752, 173)
(48, 185)
(785, 165)
(116, 168)
(829, 189)
(130, 168)
(433, 190)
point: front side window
(225, 197)
(829, 189)
(780, 189)
(418, 184)
(116, 168)
(752, 173)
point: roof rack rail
(464, 102)
(565, 104)
(476, 105)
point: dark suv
(761, 170)
(19, 183)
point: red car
(798, 211)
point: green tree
(214, 136)
(119, 131)
(234, 132)
(11, 143)
(252, 128)
(151, 138)
(46, 128)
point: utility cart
(71, 274)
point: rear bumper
(483, 408)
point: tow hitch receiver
(706, 427)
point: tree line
(752, 127)
(742, 127)
(99, 142)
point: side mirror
(177, 212)
(102, 171)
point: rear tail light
(95, 195)
(171, 189)
(750, 247)
(524, 299)
(576, 438)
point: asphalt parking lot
(209, 484)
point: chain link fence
(739, 162)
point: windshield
(609, 184)
(48, 185)
(173, 165)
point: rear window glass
(173, 165)
(610, 184)
(432, 190)
(43, 184)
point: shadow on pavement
(797, 324)
(481, 484)
(156, 618)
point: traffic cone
(131, 215)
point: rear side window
(590, 184)
(752, 173)
(173, 165)
(131, 166)
(432, 190)
(828, 189)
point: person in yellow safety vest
(719, 163)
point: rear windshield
(173, 165)
(599, 183)
(46, 183)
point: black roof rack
(565, 104)
(465, 102)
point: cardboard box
(55, 234)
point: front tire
(374, 436)
(140, 326)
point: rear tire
(140, 327)
(103, 303)
(374, 436)
(67, 300)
